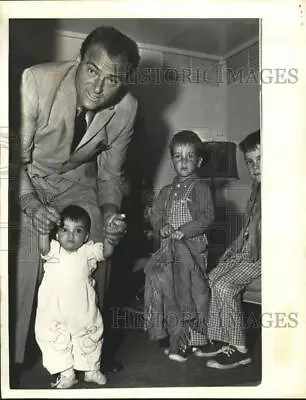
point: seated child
(237, 268)
(176, 288)
(68, 324)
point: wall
(32, 39)
(196, 107)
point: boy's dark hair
(250, 142)
(114, 42)
(76, 213)
(187, 137)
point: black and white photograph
(155, 185)
(135, 146)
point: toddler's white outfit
(68, 325)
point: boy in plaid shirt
(176, 286)
(237, 268)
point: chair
(251, 299)
(252, 293)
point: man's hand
(44, 219)
(166, 230)
(114, 228)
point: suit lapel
(91, 141)
(99, 122)
(67, 100)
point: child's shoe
(229, 357)
(65, 380)
(181, 355)
(95, 376)
(210, 349)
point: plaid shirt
(167, 207)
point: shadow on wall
(145, 154)
(154, 94)
(30, 42)
(33, 38)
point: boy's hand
(177, 235)
(166, 230)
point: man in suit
(77, 120)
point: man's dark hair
(187, 137)
(114, 42)
(76, 213)
(250, 142)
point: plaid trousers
(227, 280)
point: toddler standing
(68, 324)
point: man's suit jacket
(48, 107)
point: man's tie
(80, 127)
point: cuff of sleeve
(29, 202)
(108, 209)
(109, 196)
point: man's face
(252, 159)
(98, 78)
